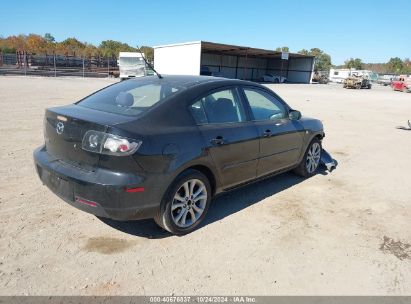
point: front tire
(311, 160)
(185, 203)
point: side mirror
(294, 115)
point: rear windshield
(131, 97)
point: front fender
(312, 128)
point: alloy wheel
(313, 157)
(189, 203)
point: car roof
(193, 80)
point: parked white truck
(131, 64)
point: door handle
(219, 140)
(267, 133)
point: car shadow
(222, 206)
(241, 198)
(143, 228)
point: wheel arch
(320, 136)
(208, 173)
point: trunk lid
(64, 129)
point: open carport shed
(230, 61)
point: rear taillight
(105, 143)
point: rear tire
(185, 203)
(311, 160)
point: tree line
(394, 66)
(47, 45)
(323, 62)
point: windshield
(131, 97)
(130, 61)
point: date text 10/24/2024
(202, 299)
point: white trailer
(178, 59)
(131, 64)
(339, 75)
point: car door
(281, 139)
(230, 137)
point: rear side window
(219, 107)
(131, 97)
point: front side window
(219, 107)
(264, 106)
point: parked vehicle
(131, 64)
(274, 78)
(163, 147)
(402, 83)
(319, 77)
(205, 71)
(385, 80)
(357, 82)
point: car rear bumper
(100, 192)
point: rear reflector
(134, 190)
(85, 202)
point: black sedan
(163, 147)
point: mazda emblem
(60, 128)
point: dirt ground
(342, 233)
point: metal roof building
(231, 61)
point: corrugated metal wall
(295, 69)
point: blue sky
(371, 30)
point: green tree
(322, 59)
(90, 50)
(148, 52)
(354, 63)
(49, 38)
(111, 48)
(71, 46)
(407, 66)
(396, 65)
(283, 49)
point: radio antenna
(149, 64)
